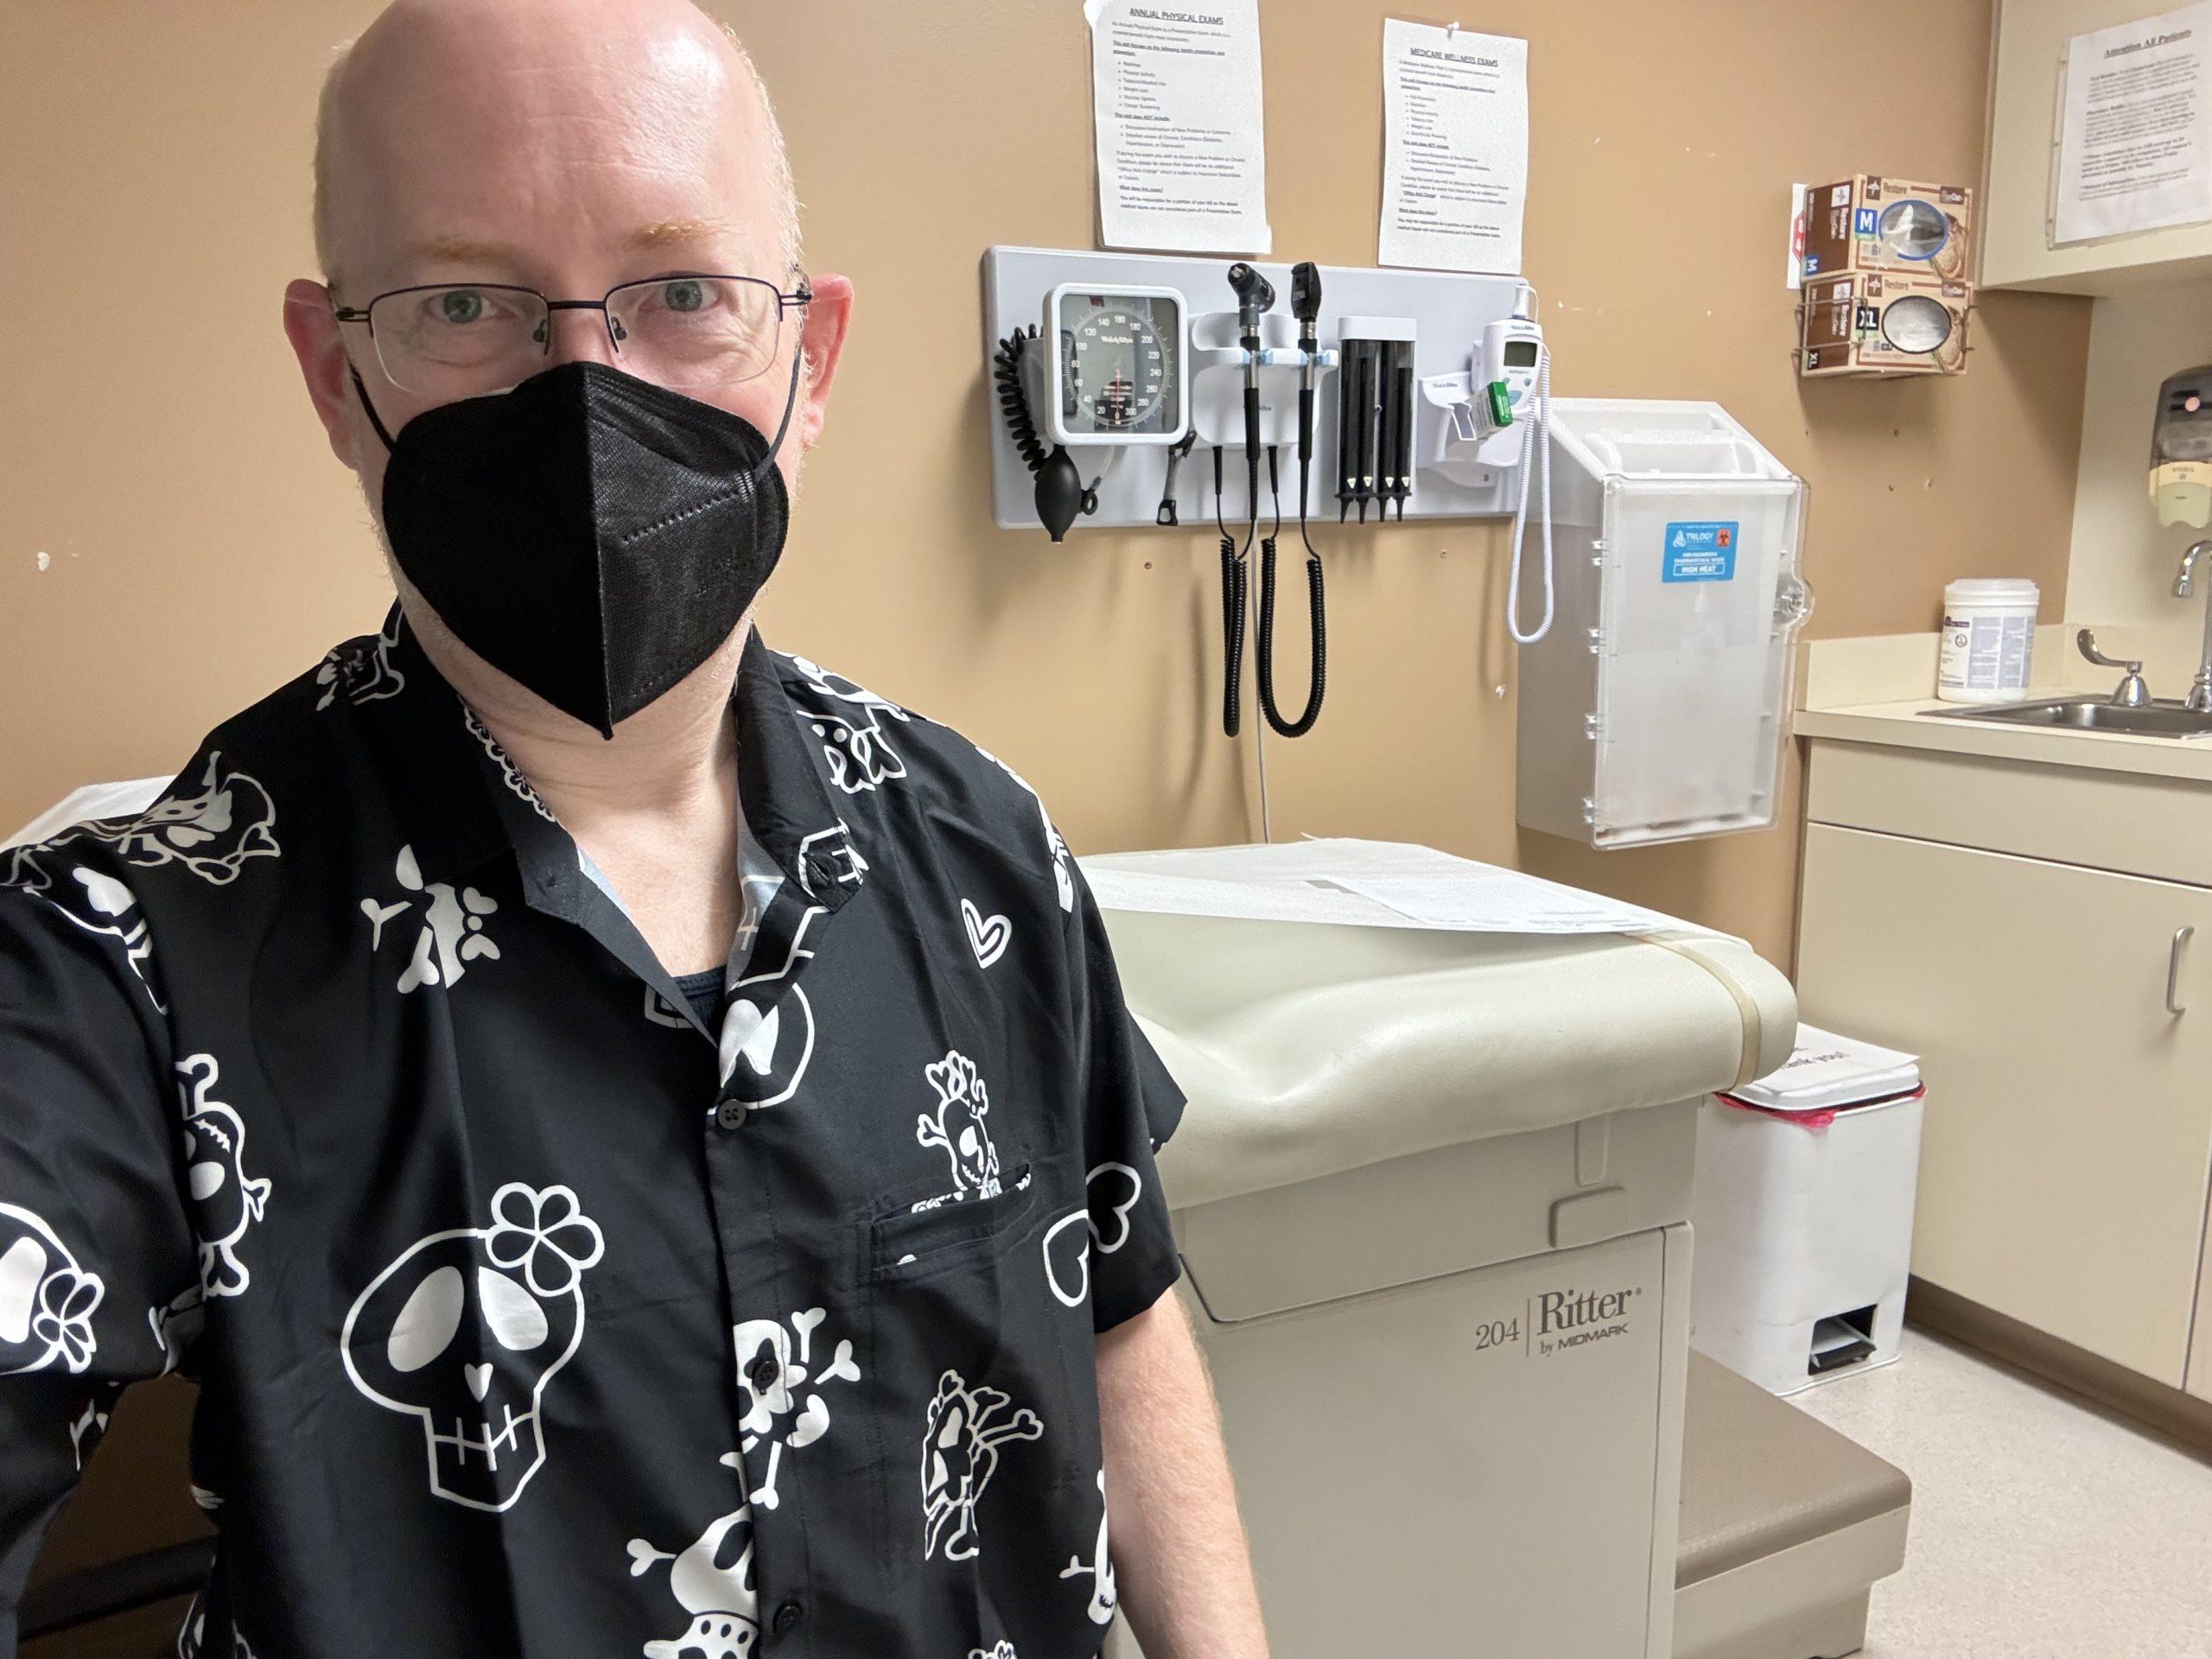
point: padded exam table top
(1309, 1046)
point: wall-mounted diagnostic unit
(1409, 394)
(1072, 335)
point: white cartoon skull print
(1099, 1569)
(225, 1200)
(963, 1103)
(360, 673)
(212, 833)
(465, 1329)
(767, 1031)
(451, 934)
(960, 1439)
(92, 899)
(1056, 848)
(47, 1299)
(842, 715)
(712, 1580)
(775, 1366)
(510, 773)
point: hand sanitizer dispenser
(1657, 708)
(2180, 450)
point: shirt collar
(465, 802)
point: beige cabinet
(2016, 199)
(2064, 1176)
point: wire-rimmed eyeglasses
(459, 340)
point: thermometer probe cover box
(1873, 323)
(1868, 222)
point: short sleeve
(97, 1257)
(1131, 1106)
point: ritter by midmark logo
(1573, 1318)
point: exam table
(1431, 1192)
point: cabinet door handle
(2173, 967)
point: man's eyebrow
(664, 232)
(469, 250)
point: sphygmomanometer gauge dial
(1119, 366)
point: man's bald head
(477, 68)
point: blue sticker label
(1700, 551)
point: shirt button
(763, 1372)
(787, 1616)
(730, 1114)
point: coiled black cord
(1006, 370)
(1266, 664)
(1235, 578)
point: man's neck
(655, 806)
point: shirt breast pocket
(907, 1243)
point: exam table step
(1786, 1525)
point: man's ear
(313, 331)
(823, 340)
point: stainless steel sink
(2092, 715)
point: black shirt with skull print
(533, 1312)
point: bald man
(638, 1137)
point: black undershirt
(703, 991)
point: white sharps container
(1656, 707)
(1802, 1216)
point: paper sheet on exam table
(1356, 883)
(123, 800)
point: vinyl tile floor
(2042, 1528)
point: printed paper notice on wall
(2134, 143)
(1182, 143)
(1455, 148)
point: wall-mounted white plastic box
(1657, 708)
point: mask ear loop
(791, 406)
(362, 392)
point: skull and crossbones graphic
(465, 1328)
(770, 1375)
(212, 833)
(226, 1201)
(960, 1453)
(843, 715)
(361, 672)
(962, 1102)
(712, 1580)
(1063, 880)
(192, 1636)
(1099, 1569)
(92, 899)
(47, 1299)
(453, 933)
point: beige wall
(2121, 567)
(156, 445)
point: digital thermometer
(1512, 355)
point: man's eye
(687, 295)
(460, 305)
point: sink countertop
(1902, 725)
(1851, 694)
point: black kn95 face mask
(591, 535)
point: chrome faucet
(2200, 688)
(2132, 692)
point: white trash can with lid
(1802, 1214)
